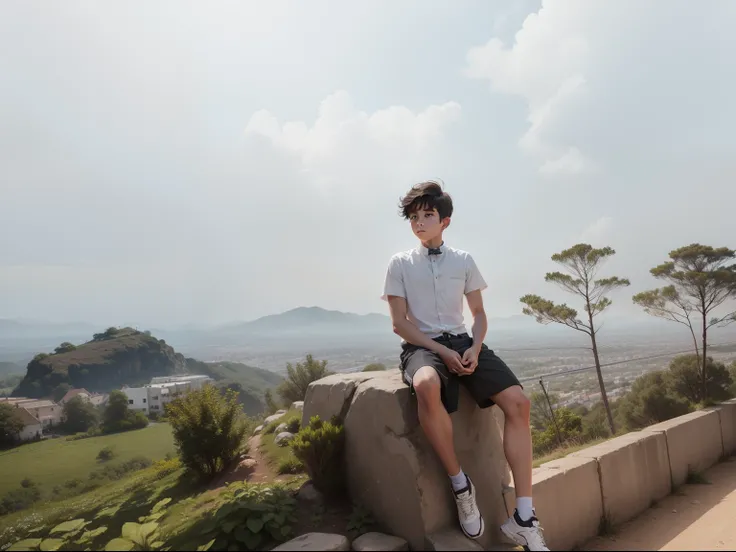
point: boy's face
(426, 224)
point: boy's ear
(445, 223)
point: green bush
(209, 430)
(166, 467)
(118, 471)
(19, 499)
(290, 466)
(251, 518)
(105, 454)
(374, 367)
(293, 424)
(320, 447)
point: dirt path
(253, 468)
(699, 517)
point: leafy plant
(360, 521)
(105, 454)
(290, 466)
(320, 447)
(252, 516)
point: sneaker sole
(514, 537)
(480, 534)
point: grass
(55, 461)
(281, 459)
(564, 451)
(695, 477)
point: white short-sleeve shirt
(434, 287)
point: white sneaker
(471, 522)
(525, 533)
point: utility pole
(554, 418)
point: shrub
(105, 454)
(250, 517)
(290, 466)
(19, 499)
(298, 378)
(27, 483)
(209, 429)
(166, 467)
(320, 447)
(118, 471)
(73, 483)
(375, 367)
(293, 424)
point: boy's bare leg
(517, 439)
(437, 426)
(434, 419)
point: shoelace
(467, 508)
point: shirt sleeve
(394, 283)
(473, 279)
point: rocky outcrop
(391, 468)
(378, 542)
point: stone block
(331, 396)
(693, 442)
(297, 405)
(451, 539)
(727, 415)
(634, 472)
(378, 542)
(313, 542)
(391, 468)
(567, 499)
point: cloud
(597, 231)
(597, 77)
(345, 145)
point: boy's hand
(452, 360)
(470, 360)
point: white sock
(524, 507)
(459, 481)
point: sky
(174, 162)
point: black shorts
(490, 377)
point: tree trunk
(695, 341)
(604, 397)
(705, 358)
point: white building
(162, 390)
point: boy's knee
(515, 404)
(427, 386)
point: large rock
(378, 542)
(297, 405)
(326, 542)
(391, 468)
(283, 438)
(274, 417)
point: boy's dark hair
(427, 195)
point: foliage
(570, 426)
(292, 420)
(667, 303)
(79, 415)
(684, 378)
(10, 425)
(251, 516)
(166, 467)
(65, 347)
(374, 367)
(703, 281)
(294, 387)
(581, 263)
(59, 391)
(651, 401)
(360, 521)
(320, 447)
(118, 417)
(19, 499)
(732, 372)
(209, 430)
(105, 454)
(290, 465)
(271, 406)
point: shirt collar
(425, 252)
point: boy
(424, 288)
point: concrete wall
(619, 479)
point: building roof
(73, 393)
(27, 417)
(37, 403)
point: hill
(112, 359)
(248, 381)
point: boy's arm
(405, 328)
(480, 321)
